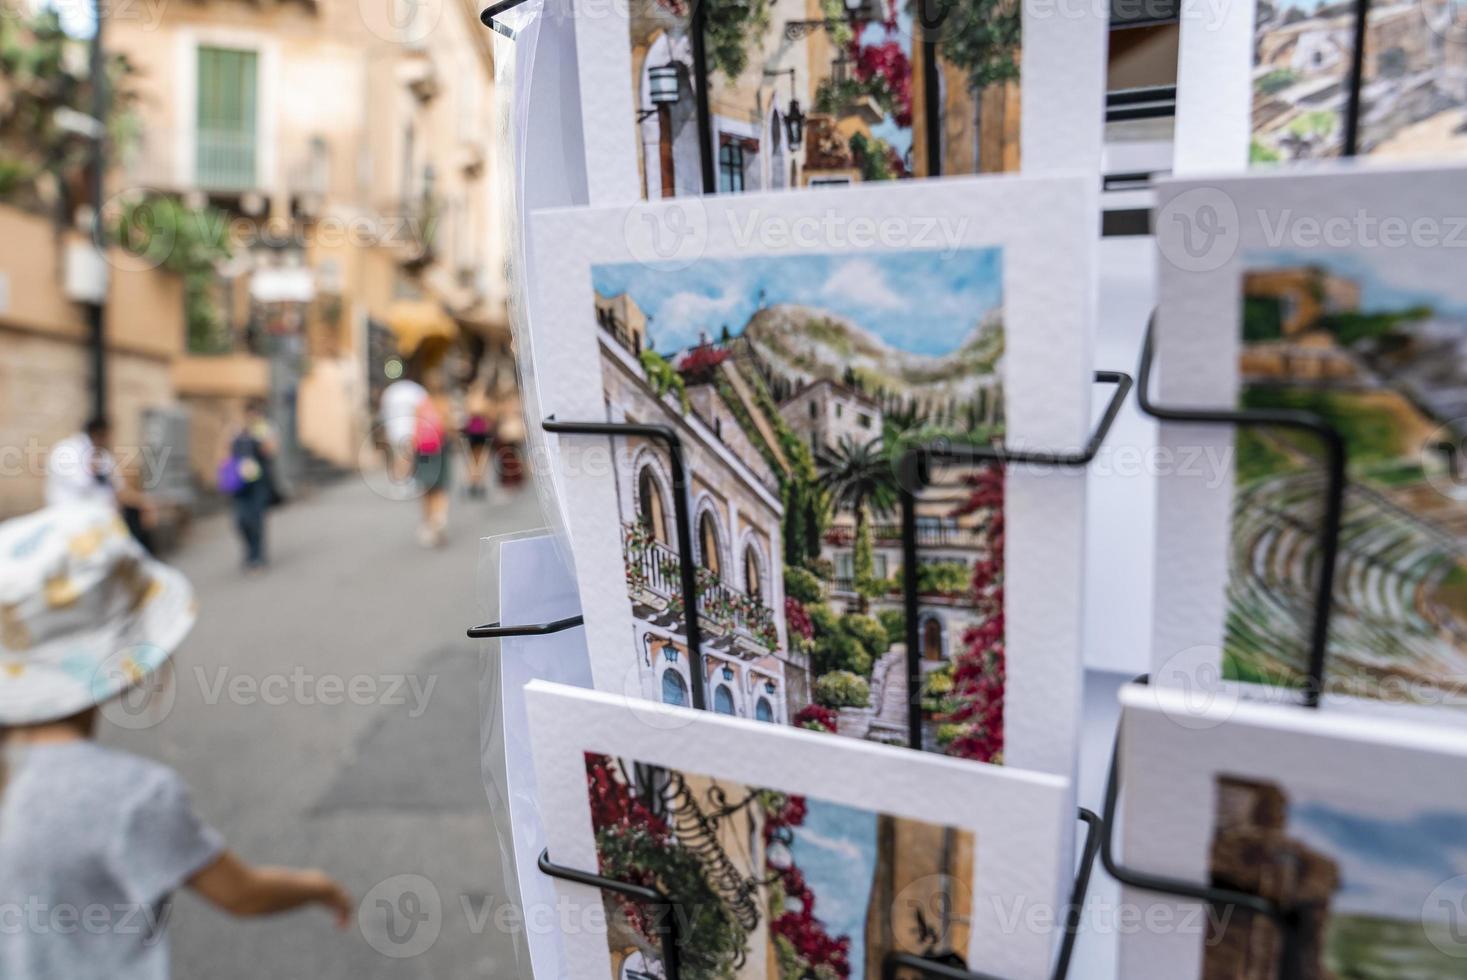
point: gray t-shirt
(92, 844)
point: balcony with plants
(730, 618)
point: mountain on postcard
(806, 344)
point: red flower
(699, 363)
(817, 717)
(797, 619)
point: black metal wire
(913, 473)
(1286, 920)
(688, 568)
(491, 631)
(488, 14)
(657, 899)
(1074, 913)
(1335, 458)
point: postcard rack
(914, 472)
(666, 917)
(1286, 919)
(1334, 500)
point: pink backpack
(428, 436)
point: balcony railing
(224, 160)
(657, 568)
(928, 535)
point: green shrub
(842, 689)
(868, 632)
(802, 585)
(894, 621)
(838, 650)
(943, 577)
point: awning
(420, 323)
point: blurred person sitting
(398, 412)
(252, 453)
(86, 618)
(82, 469)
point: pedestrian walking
(433, 424)
(398, 412)
(478, 431)
(249, 473)
(92, 836)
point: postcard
(1356, 825)
(796, 358)
(1268, 82)
(804, 94)
(792, 855)
(1338, 293)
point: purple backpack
(228, 477)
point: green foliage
(851, 642)
(190, 242)
(842, 689)
(1276, 80)
(863, 561)
(802, 585)
(873, 155)
(1318, 122)
(1371, 432)
(730, 27)
(1263, 319)
(894, 621)
(835, 649)
(937, 689)
(1258, 153)
(867, 631)
(42, 70)
(943, 577)
(713, 939)
(981, 37)
(663, 377)
(1349, 328)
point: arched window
(723, 700)
(763, 710)
(932, 639)
(708, 541)
(753, 578)
(674, 688)
(649, 501)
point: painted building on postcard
(798, 97)
(824, 414)
(736, 514)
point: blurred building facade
(350, 147)
(344, 154)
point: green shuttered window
(225, 132)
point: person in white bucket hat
(93, 841)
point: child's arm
(243, 890)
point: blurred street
(327, 715)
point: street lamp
(664, 84)
(794, 117)
(794, 124)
